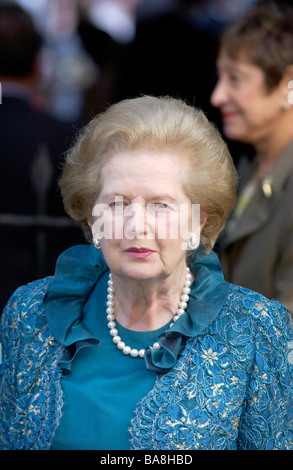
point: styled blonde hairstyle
(159, 125)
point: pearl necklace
(127, 350)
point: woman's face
(143, 216)
(249, 112)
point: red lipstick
(226, 116)
(139, 253)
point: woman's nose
(136, 225)
(219, 95)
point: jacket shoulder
(241, 299)
(265, 316)
(24, 313)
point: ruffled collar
(80, 268)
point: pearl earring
(193, 242)
(97, 241)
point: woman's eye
(160, 205)
(234, 79)
(117, 204)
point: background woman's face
(249, 112)
(147, 215)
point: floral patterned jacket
(230, 388)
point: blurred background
(99, 51)
(86, 55)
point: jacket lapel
(264, 200)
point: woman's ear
(286, 86)
(203, 219)
(90, 220)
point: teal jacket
(224, 373)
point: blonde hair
(160, 125)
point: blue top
(223, 378)
(101, 385)
(104, 386)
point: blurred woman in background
(254, 96)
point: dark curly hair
(264, 35)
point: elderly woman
(138, 342)
(254, 95)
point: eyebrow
(151, 198)
(164, 196)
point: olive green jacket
(258, 252)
